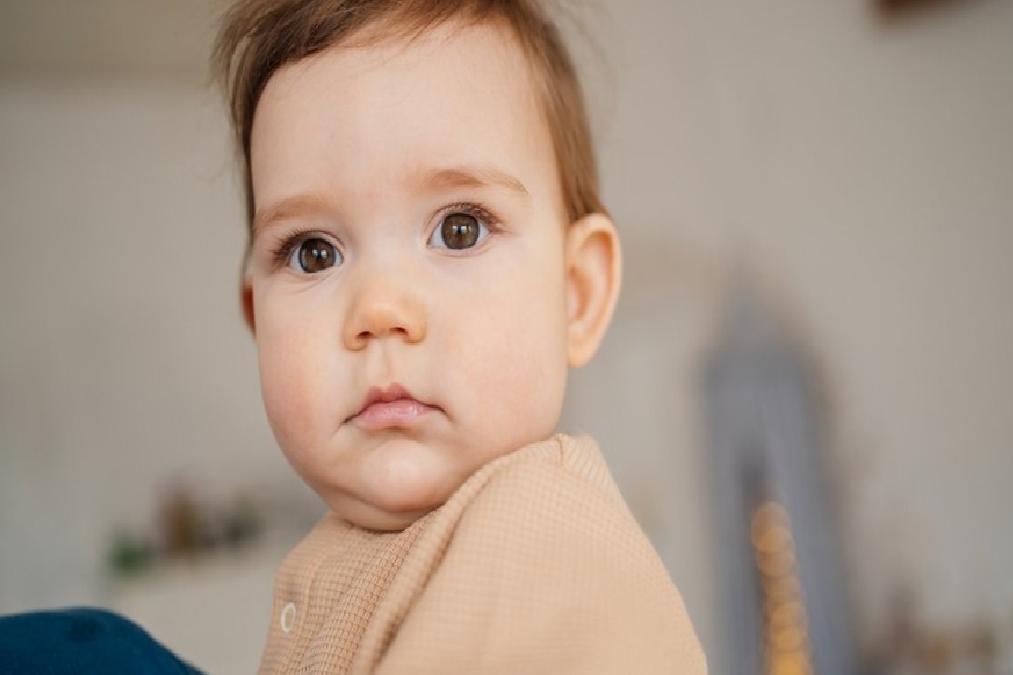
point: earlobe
(593, 279)
(246, 301)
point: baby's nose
(383, 309)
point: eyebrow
(288, 207)
(473, 177)
(463, 176)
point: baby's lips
(390, 394)
(403, 412)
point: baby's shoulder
(541, 476)
(548, 499)
(538, 559)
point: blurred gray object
(765, 449)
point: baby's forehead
(457, 100)
(480, 61)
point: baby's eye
(458, 231)
(314, 255)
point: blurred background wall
(853, 169)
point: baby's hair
(257, 37)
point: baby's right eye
(314, 254)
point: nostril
(396, 330)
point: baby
(427, 256)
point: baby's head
(424, 223)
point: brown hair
(257, 37)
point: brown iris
(459, 230)
(316, 255)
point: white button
(288, 617)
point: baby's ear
(593, 277)
(246, 300)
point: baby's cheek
(288, 389)
(519, 381)
(538, 383)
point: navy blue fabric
(81, 640)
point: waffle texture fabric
(533, 565)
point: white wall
(863, 171)
(124, 359)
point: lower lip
(400, 413)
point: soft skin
(347, 146)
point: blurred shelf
(213, 610)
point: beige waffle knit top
(533, 565)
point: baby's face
(410, 232)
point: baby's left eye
(458, 230)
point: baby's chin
(399, 481)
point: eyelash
(281, 253)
